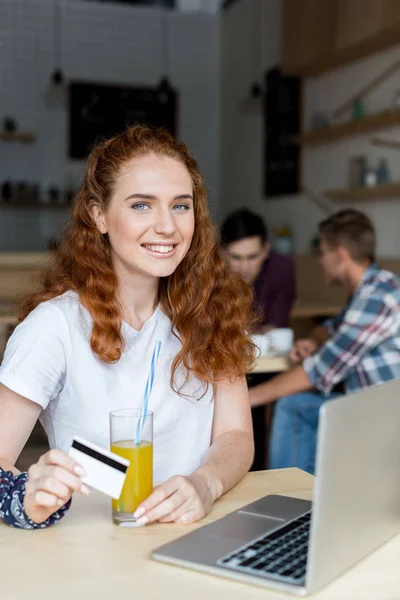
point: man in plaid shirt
(358, 348)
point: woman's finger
(53, 487)
(175, 515)
(58, 458)
(167, 506)
(159, 494)
(73, 482)
(190, 516)
(48, 500)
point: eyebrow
(152, 197)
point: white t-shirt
(48, 360)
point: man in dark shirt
(245, 241)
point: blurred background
(291, 107)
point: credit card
(105, 471)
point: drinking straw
(147, 391)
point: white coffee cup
(262, 344)
(281, 340)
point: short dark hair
(353, 230)
(243, 224)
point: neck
(354, 275)
(138, 295)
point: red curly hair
(209, 307)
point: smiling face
(150, 217)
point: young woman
(139, 263)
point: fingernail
(85, 490)
(60, 502)
(139, 512)
(79, 471)
(142, 520)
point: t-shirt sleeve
(34, 363)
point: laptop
(297, 546)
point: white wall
(100, 42)
(325, 166)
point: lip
(159, 254)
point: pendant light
(252, 102)
(56, 95)
(164, 88)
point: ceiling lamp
(56, 95)
(164, 87)
(252, 102)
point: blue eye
(181, 207)
(140, 206)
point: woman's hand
(52, 481)
(180, 499)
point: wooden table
(270, 364)
(85, 556)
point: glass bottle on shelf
(370, 177)
(283, 242)
(382, 172)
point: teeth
(161, 249)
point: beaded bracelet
(12, 492)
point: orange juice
(139, 477)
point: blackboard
(97, 111)
(282, 118)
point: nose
(164, 223)
(243, 269)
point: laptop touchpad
(243, 526)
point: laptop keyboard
(280, 555)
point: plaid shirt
(365, 346)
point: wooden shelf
(16, 136)
(389, 190)
(17, 261)
(387, 118)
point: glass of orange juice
(131, 435)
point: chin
(332, 281)
(164, 273)
(162, 270)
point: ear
(99, 218)
(343, 254)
